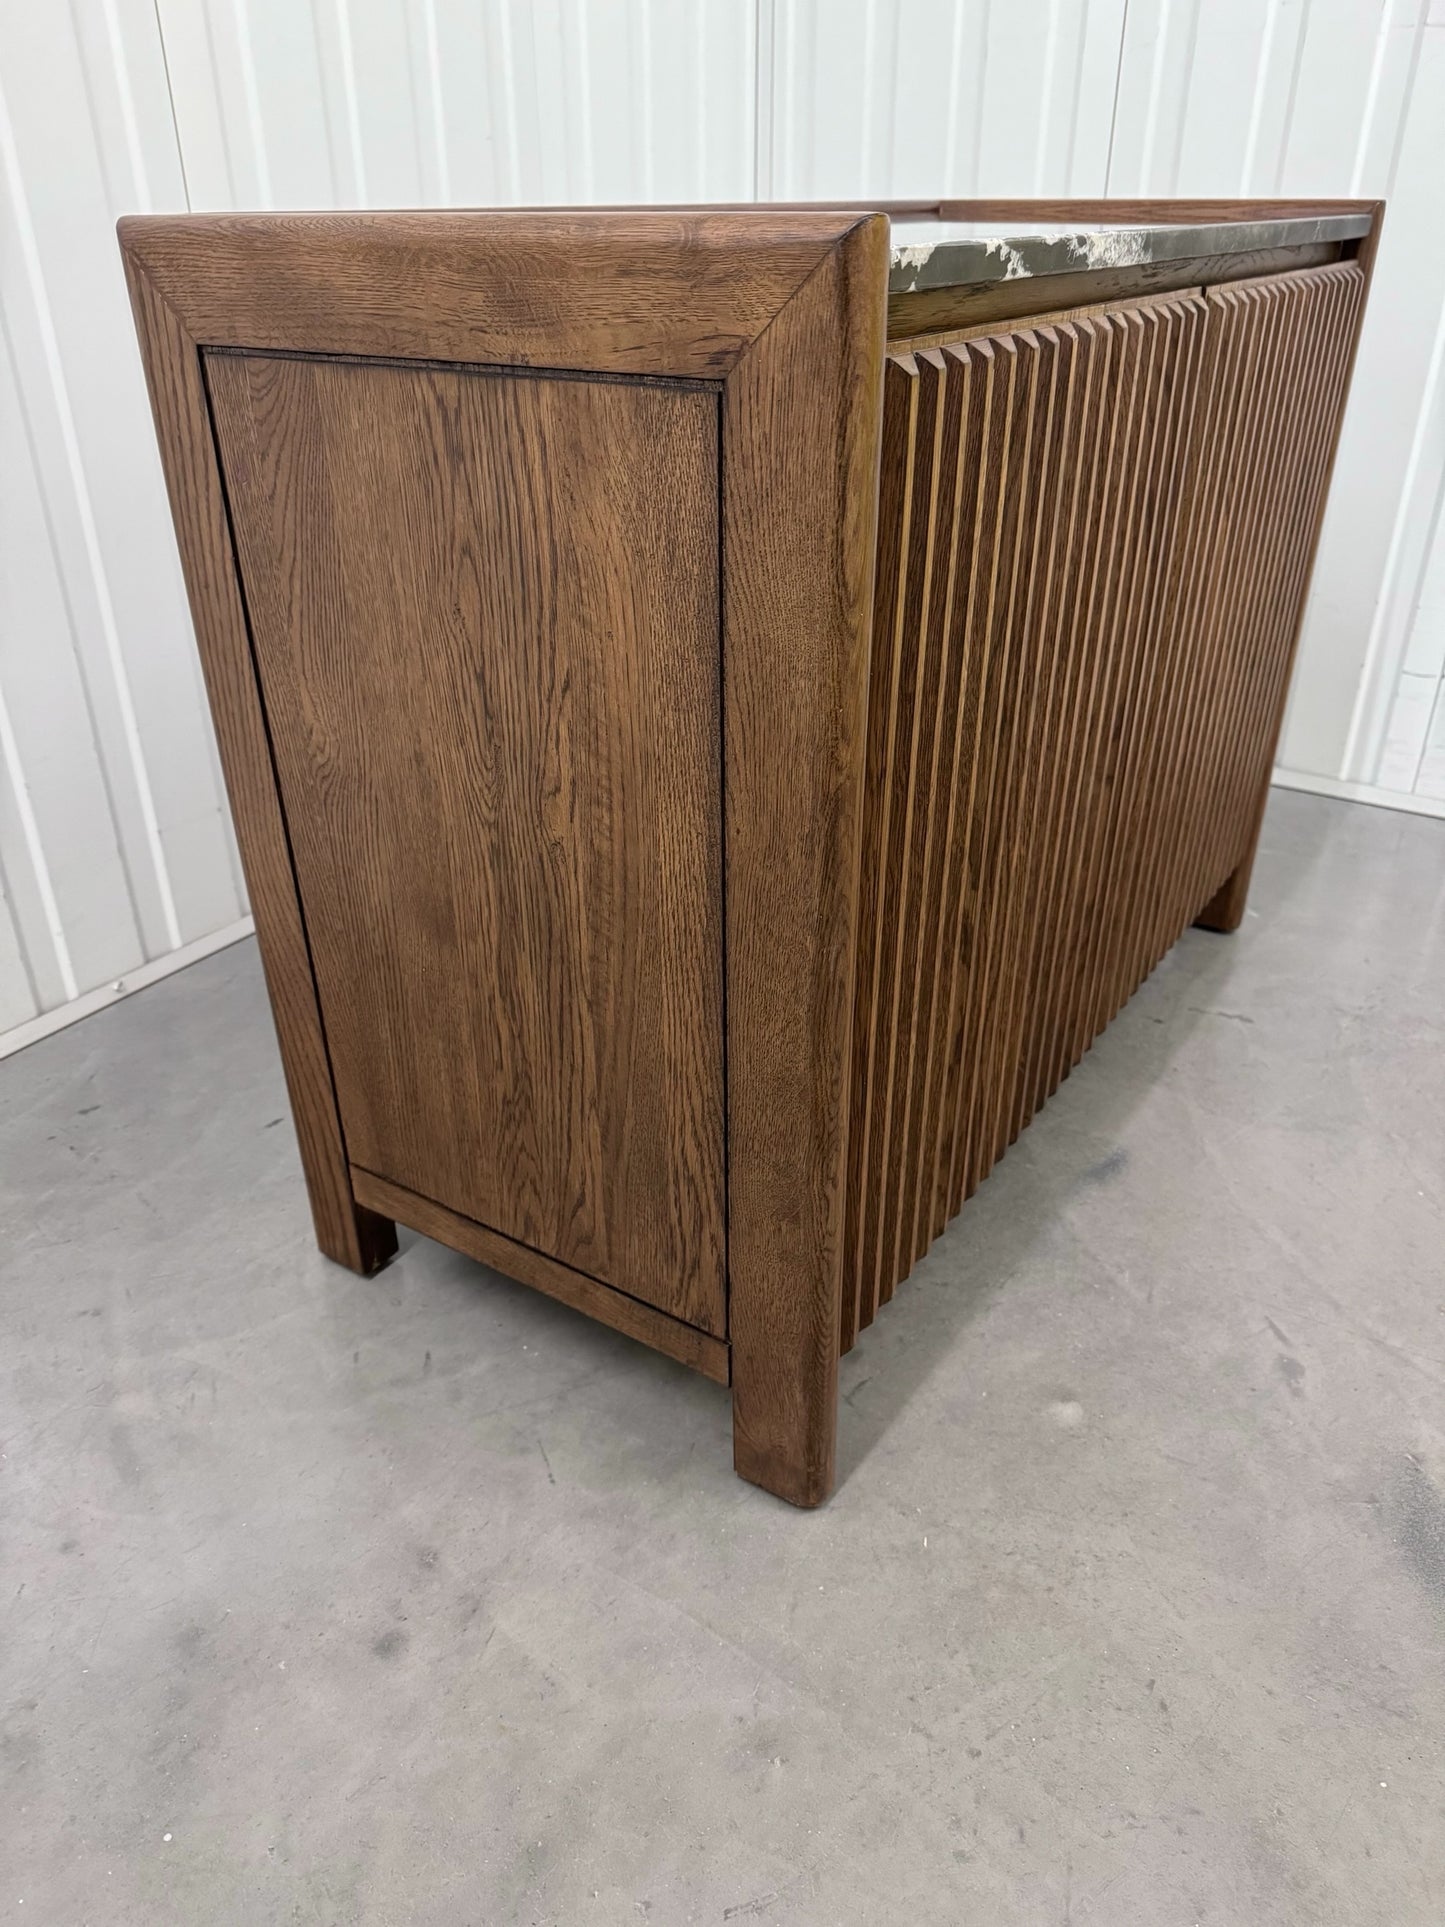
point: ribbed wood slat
(1094, 546)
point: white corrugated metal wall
(116, 858)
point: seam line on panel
(645, 117)
(30, 832)
(1370, 698)
(1256, 106)
(67, 601)
(353, 104)
(1046, 92)
(870, 61)
(22, 954)
(1114, 110)
(1292, 97)
(484, 370)
(582, 64)
(509, 96)
(171, 100)
(700, 92)
(764, 92)
(951, 186)
(985, 23)
(1372, 94)
(90, 535)
(1191, 48)
(242, 21)
(125, 99)
(413, 100)
(1407, 99)
(221, 127)
(1151, 111)
(722, 727)
(260, 687)
(438, 103)
(537, 1251)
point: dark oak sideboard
(721, 707)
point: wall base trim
(86, 1005)
(1350, 792)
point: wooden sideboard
(722, 706)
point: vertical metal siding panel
(1390, 464)
(105, 496)
(1393, 63)
(471, 73)
(57, 796)
(1430, 776)
(1425, 647)
(1014, 103)
(1331, 97)
(1223, 104)
(18, 1002)
(112, 743)
(1095, 88)
(200, 113)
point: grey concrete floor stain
(1418, 1520)
(423, 1600)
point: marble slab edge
(951, 254)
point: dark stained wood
(634, 292)
(652, 904)
(915, 702)
(1147, 482)
(800, 466)
(1290, 517)
(925, 311)
(498, 744)
(895, 516)
(696, 1349)
(349, 1233)
(1128, 209)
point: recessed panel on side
(484, 609)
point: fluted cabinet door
(1094, 543)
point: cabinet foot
(784, 1434)
(364, 1244)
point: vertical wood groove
(1094, 547)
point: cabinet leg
(785, 1426)
(363, 1240)
(1225, 909)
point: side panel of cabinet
(484, 609)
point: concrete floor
(425, 1600)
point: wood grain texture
(351, 1234)
(690, 1347)
(800, 466)
(485, 610)
(653, 903)
(944, 310)
(627, 292)
(1098, 532)
(1126, 209)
